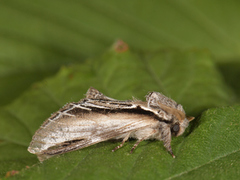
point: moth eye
(176, 128)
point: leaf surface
(189, 77)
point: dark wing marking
(106, 104)
(157, 103)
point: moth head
(172, 111)
(179, 125)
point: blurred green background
(51, 51)
(38, 37)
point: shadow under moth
(98, 118)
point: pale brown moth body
(98, 118)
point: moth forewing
(99, 118)
(70, 133)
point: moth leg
(124, 140)
(167, 145)
(166, 138)
(142, 139)
(136, 144)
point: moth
(98, 118)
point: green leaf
(14, 157)
(40, 36)
(189, 77)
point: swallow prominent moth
(98, 118)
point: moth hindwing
(98, 118)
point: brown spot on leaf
(11, 173)
(120, 46)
